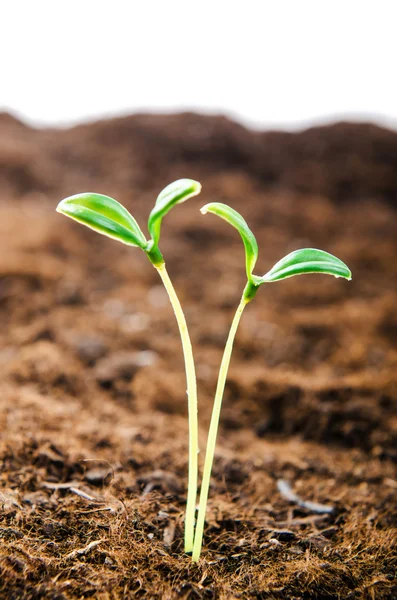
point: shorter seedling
(307, 260)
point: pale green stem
(213, 430)
(192, 408)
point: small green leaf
(307, 260)
(175, 193)
(236, 220)
(105, 215)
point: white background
(266, 63)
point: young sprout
(307, 260)
(108, 217)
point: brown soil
(93, 439)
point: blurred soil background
(93, 436)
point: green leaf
(307, 260)
(104, 215)
(236, 220)
(175, 193)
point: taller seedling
(108, 217)
(307, 260)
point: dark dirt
(93, 443)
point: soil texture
(93, 436)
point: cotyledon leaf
(307, 260)
(236, 220)
(105, 215)
(175, 193)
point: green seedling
(108, 217)
(307, 260)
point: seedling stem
(213, 431)
(192, 407)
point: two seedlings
(108, 217)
